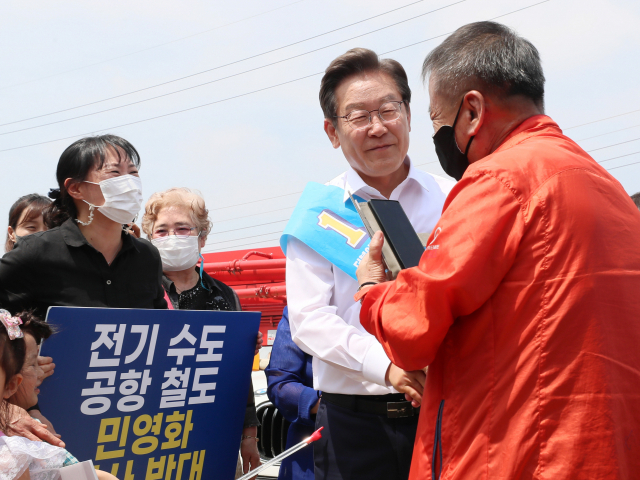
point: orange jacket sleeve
(468, 254)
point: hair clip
(12, 324)
(54, 193)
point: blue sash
(323, 221)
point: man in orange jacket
(526, 303)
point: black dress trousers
(362, 446)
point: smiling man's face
(379, 149)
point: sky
(235, 88)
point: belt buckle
(399, 409)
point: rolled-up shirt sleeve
(468, 255)
(316, 326)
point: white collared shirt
(324, 318)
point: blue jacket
(290, 388)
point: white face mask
(178, 253)
(122, 198)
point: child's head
(34, 331)
(12, 353)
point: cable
(239, 73)
(228, 98)
(250, 226)
(608, 133)
(146, 49)
(254, 201)
(445, 34)
(620, 166)
(614, 145)
(253, 214)
(229, 64)
(619, 156)
(602, 119)
(164, 115)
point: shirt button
(108, 282)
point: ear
(331, 133)
(473, 112)
(12, 385)
(12, 234)
(408, 114)
(73, 188)
(202, 241)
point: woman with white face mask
(177, 223)
(85, 258)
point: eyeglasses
(180, 232)
(359, 119)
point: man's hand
(20, 424)
(409, 383)
(47, 366)
(249, 450)
(371, 268)
(259, 342)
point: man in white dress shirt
(369, 427)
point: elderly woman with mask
(177, 222)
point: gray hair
(486, 56)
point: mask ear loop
(466, 150)
(201, 270)
(201, 267)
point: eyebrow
(165, 225)
(360, 106)
(126, 160)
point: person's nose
(377, 128)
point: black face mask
(452, 160)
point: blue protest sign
(151, 394)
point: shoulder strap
(169, 304)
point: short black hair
(486, 56)
(76, 162)
(636, 199)
(353, 62)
